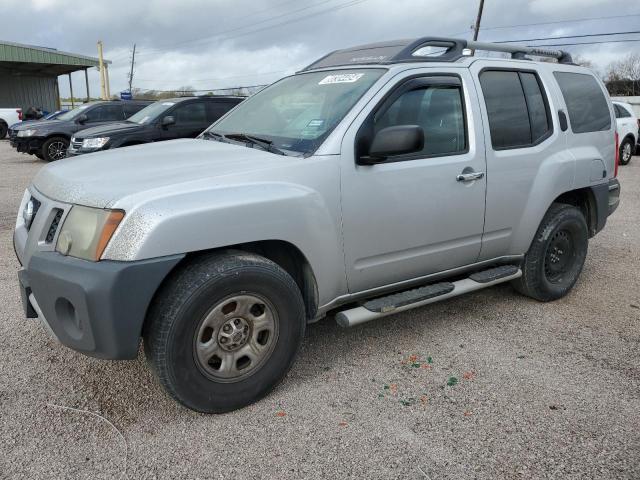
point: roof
(33, 59)
(425, 49)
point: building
(29, 75)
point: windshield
(71, 114)
(150, 113)
(298, 112)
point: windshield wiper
(263, 142)
(216, 136)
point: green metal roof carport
(29, 74)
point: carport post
(71, 90)
(86, 81)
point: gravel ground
(491, 385)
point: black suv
(167, 119)
(49, 139)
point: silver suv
(378, 179)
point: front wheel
(626, 151)
(3, 130)
(224, 330)
(554, 261)
(55, 148)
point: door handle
(469, 177)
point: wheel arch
(585, 200)
(285, 254)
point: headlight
(27, 133)
(86, 232)
(98, 142)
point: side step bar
(400, 302)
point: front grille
(13, 134)
(53, 228)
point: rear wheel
(3, 130)
(626, 151)
(55, 148)
(224, 330)
(555, 259)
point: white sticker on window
(168, 104)
(341, 78)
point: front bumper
(96, 308)
(26, 144)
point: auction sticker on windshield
(341, 78)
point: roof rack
(442, 50)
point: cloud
(228, 43)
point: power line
(561, 21)
(285, 22)
(584, 43)
(224, 33)
(569, 36)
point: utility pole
(133, 61)
(476, 28)
(103, 91)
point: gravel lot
(491, 385)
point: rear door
(104, 113)
(191, 120)
(521, 143)
(217, 109)
(410, 216)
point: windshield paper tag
(168, 104)
(341, 78)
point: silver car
(378, 179)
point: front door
(414, 214)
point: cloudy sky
(211, 44)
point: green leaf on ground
(452, 381)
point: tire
(626, 151)
(556, 256)
(54, 148)
(3, 130)
(192, 313)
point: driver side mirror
(396, 140)
(168, 120)
(82, 119)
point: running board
(402, 301)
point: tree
(623, 76)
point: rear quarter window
(586, 104)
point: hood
(41, 124)
(102, 178)
(109, 129)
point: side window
(586, 103)
(193, 112)
(537, 106)
(624, 113)
(616, 110)
(131, 108)
(438, 110)
(217, 109)
(517, 108)
(105, 113)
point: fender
(228, 215)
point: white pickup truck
(9, 116)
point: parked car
(8, 116)
(164, 120)
(628, 130)
(49, 139)
(374, 198)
